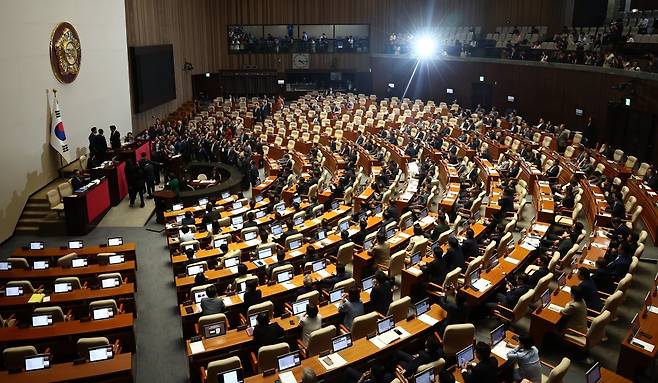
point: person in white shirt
(311, 321)
(186, 234)
(526, 357)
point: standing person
(92, 147)
(101, 146)
(310, 322)
(135, 178)
(148, 169)
(351, 306)
(115, 137)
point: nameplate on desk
(646, 346)
(652, 309)
(566, 289)
(197, 347)
(555, 308)
(588, 262)
(287, 377)
(234, 269)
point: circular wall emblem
(65, 53)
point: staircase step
(27, 229)
(35, 213)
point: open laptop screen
(289, 360)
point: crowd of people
(242, 41)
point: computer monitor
(378, 209)
(203, 201)
(13, 291)
(250, 235)
(115, 241)
(415, 258)
(284, 276)
(231, 261)
(281, 206)
(594, 374)
(115, 259)
(260, 213)
(231, 376)
(318, 265)
(341, 342)
(212, 330)
(546, 298)
(236, 205)
(497, 335)
(423, 213)
(225, 195)
(368, 243)
(298, 220)
(635, 325)
(36, 245)
(177, 206)
(219, 242)
(407, 222)
(101, 353)
(297, 199)
(37, 362)
(335, 295)
(237, 220)
(254, 316)
(5, 266)
(295, 244)
(465, 356)
(368, 283)
(40, 320)
(102, 313)
(426, 376)
(474, 276)
(320, 234)
(193, 270)
(343, 225)
(494, 261)
(288, 361)
(299, 307)
(258, 198)
(264, 252)
(199, 295)
(109, 283)
(63, 287)
(179, 218)
(276, 229)
(241, 287)
(77, 244)
(79, 262)
(390, 233)
(385, 324)
(40, 265)
(422, 307)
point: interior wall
(98, 97)
(539, 90)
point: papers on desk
(588, 262)
(512, 260)
(197, 306)
(599, 245)
(36, 298)
(404, 235)
(482, 284)
(530, 243)
(414, 270)
(46, 299)
(427, 319)
(377, 342)
(500, 350)
(652, 309)
(227, 301)
(287, 377)
(642, 344)
(295, 253)
(324, 273)
(566, 289)
(197, 347)
(335, 359)
(289, 285)
(234, 269)
(555, 308)
(258, 263)
(540, 227)
(427, 220)
(253, 242)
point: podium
(85, 209)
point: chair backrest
(558, 372)
(25, 284)
(84, 344)
(474, 264)
(55, 311)
(263, 306)
(522, 307)
(541, 286)
(486, 257)
(364, 325)
(14, 357)
(244, 232)
(53, 198)
(74, 281)
(282, 269)
(345, 253)
(18, 263)
(210, 319)
(320, 340)
(217, 366)
(437, 366)
(452, 279)
(109, 303)
(613, 302)
(403, 219)
(345, 284)
(399, 308)
(456, 337)
(267, 355)
(624, 284)
(292, 238)
(66, 260)
(312, 296)
(397, 264)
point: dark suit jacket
(484, 372)
(267, 335)
(603, 280)
(618, 210)
(455, 258)
(381, 296)
(115, 139)
(252, 298)
(470, 248)
(438, 269)
(590, 294)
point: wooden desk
(52, 253)
(263, 187)
(634, 359)
(127, 269)
(118, 369)
(543, 200)
(84, 210)
(648, 199)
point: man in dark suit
(381, 294)
(486, 370)
(470, 248)
(100, 144)
(266, 333)
(455, 312)
(510, 297)
(589, 289)
(77, 181)
(250, 220)
(92, 145)
(437, 268)
(341, 275)
(618, 210)
(454, 257)
(602, 277)
(619, 266)
(115, 137)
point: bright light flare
(424, 46)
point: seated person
(455, 312)
(252, 296)
(266, 333)
(454, 257)
(513, 291)
(574, 314)
(381, 295)
(186, 234)
(539, 270)
(360, 236)
(250, 220)
(602, 277)
(188, 219)
(351, 306)
(212, 304)
(470, 248)
(381, 252)
(341, 275)
(589, 289)
(526, 357)
(437, 268)
(280, 261)
(441, 227)
(310, 321)
(618, 267)
(486, 370)
(430, 352)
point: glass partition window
(304, 38)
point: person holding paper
(351, 306)
(526, 357)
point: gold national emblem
(65, 53)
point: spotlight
(424, 46)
